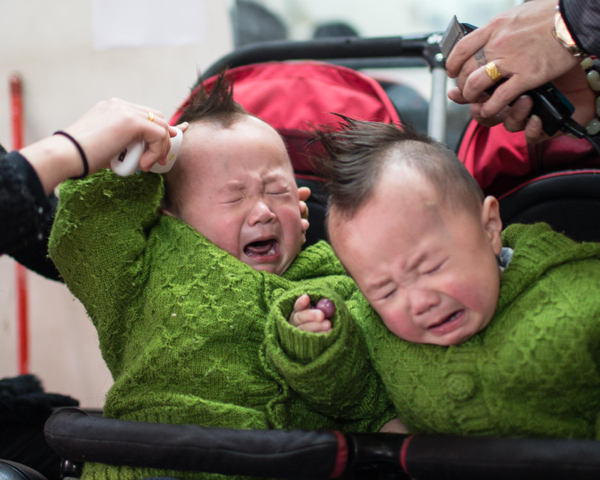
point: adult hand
(521, 44)
(572, 85)
(103, 133)
(110, 126)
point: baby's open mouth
(262, 248)
(447, 323)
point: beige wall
(50, 44)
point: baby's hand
(309, 319)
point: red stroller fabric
(500, 160)
(294, 97)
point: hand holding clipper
(548, 103)
(127, 162)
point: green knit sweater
(533, 372)
(182, 323)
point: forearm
(54, 159)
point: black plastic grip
(446, 457)
(549, 104)
(376, 455)
(264, 453)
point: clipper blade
(451, 36)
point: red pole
(20, 271)
(16, 103)
(23, 318)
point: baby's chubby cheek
(477, 293)
(226, 235)
(401, 326)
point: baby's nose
(422, 300)
(261, 213)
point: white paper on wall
(143, 23)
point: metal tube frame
(357, 53)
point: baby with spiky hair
(180, 286)
(480, 331)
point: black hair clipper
(548, 103)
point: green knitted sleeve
(330, 371)
(99, 236)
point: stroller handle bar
(417, 47)
(408, 51)
(318, 454)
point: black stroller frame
(354, 52)
(316, 454)
(79, 437)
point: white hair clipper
(127, 162)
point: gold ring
(150, 116)
(492, 70)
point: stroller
(556, 182)
(79, 437)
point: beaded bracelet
(593, 77)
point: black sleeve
(26, 215)
(582, 18)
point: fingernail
(535, 119)
(521, 106)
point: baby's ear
(492, 223)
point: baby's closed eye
(390, 293)
(435, 268)
(279, 191)
(232, 200)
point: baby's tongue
(259, 248)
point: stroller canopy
(295, 97)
